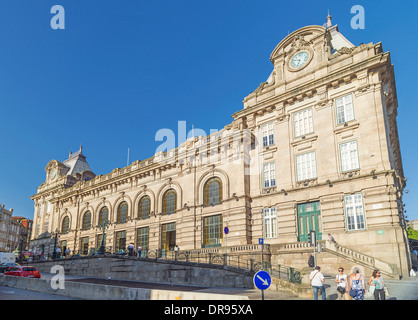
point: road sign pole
(226, 244)
(313, 243)
(226, 231)
(261, 241)
(262, 268)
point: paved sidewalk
(405, 289)
(252, 294)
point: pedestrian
(376, 281)
(311, 261)
(130, 249)
(317, 281)
(176, 251)
(331, 238)
(58, 253)
(139, 251)
(356, 285)
(67, 252)
(341, 280)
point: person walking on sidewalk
(376, 280)
(356, 285)
(341, 280)
(317, 280)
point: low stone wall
(88, 291)
(142, 269)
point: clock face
(299, 60)
(53, 173)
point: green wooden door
(309, 218)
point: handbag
(352, 292)
(386, 292)
(340, 289)
(370, 292)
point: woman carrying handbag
(376, 281)
(341, 280)
(357, 286)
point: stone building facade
(315, 147)
(14, 231)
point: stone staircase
(358, 258)
(364, 260)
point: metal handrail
(234, 261)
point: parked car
(7, 266)
(26, 271)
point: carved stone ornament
(345, 50)
(299, 42)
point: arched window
(122, 213)
(144, 208)
(213, 192)
(65, 225)
(103, 215)
(169, 202)
(86, 221)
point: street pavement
(8, 293)
(405, 289)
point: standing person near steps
(311, 261)
(341, 280)
(356, 285)
(376, 280)
(317, 280)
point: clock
(299, 60)
(53, 173)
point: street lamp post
(104, 225)
(55, 234)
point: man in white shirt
(317, 280)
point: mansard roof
(77, 163)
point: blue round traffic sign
(226, 230)
(262, 280)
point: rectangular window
(143, 238)
(168, 237)
(120, 241)
(345, 110)
(269, 174)
(268, 134)
(349, 156)
(213, 231)
(84, 246)
(354, 212)
(303, 122)
(306, 166)
(270, 223)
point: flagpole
(127, 161)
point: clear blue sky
(122, 70)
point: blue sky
(122, 70)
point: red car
(23, 271)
